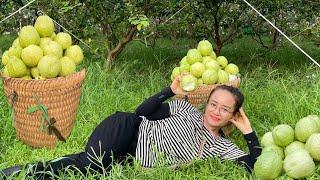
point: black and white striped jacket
(171, 133)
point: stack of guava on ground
(294, 152)
(39, 53)
(201, 66)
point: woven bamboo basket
(60, 95)
(201, 94)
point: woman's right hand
(241, 121)
(175, 86)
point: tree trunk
(275, 36)
(146, 7)
(218, 49)
(216, 35)
(113, 53)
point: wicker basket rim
(44, 80)
(212, 86)
(59, 81)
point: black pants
(112, 140)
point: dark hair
(234, 91)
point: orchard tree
(117, 20)
(14, 23)
(172, 19)
(291, 16)
(164, 21)
(220, 18)
(262, 32)
(308, 19)
(168, 19)
(312, 31)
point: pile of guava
(201, 66)
(294, 152)
(39, 53)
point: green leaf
(135, 22)
(44, 108)
(33, 109)
(139, 27)
(145, 23)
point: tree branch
(217, 11)
(203, 22)
(231, 34)
(275, 34)
(232, 31)
(259, 39)
(146, 7)
(120, 46)
(216, 34)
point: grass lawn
(280, 86)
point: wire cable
(283, 34)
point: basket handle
(50, 121)
(186, 98)
(13, 98)
(53, 129)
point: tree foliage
(108, 25)
(220, 20)
(117, 20)
(291, 16)
(14, 23)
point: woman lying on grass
(177, 130)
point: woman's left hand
(175, 86)
(241, 121)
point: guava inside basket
(59, 97)
(201, 94)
